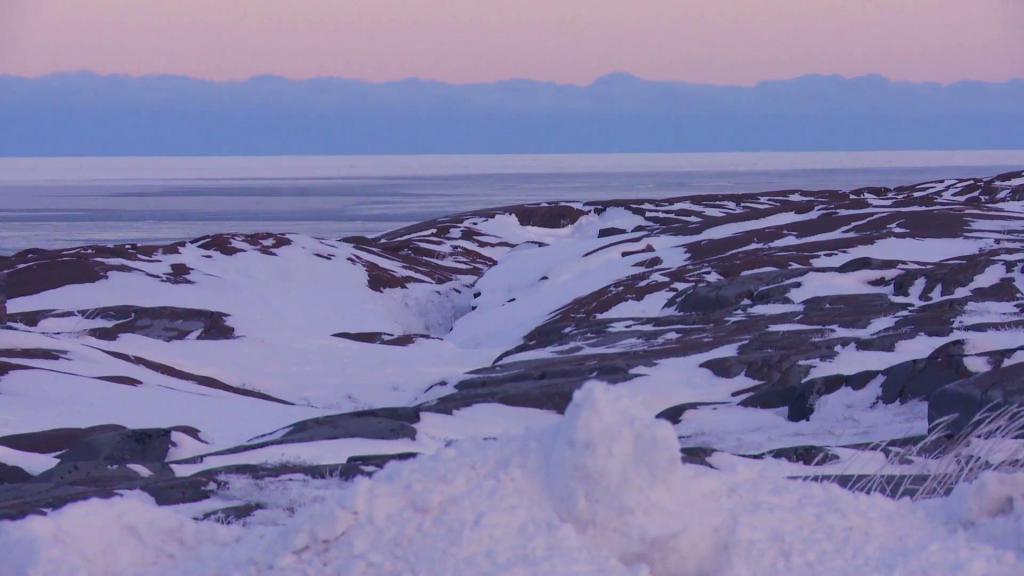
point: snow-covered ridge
(778, 332)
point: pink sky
(718, 41)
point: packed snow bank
(614, 475)
(601, 492)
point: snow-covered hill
(250, 378)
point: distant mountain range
(91, 114)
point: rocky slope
(790, 328)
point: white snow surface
(503, 489)
(600, 492)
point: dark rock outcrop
(962, 401)
(55, 440)
(158, 322)
(120, 446)
(199, 379)
(384, 338)
(13, 474)
(377, 424)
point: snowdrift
(601, 492)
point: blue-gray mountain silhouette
(90, 114)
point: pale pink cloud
(720, 41)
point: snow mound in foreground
(601, 493)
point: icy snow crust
(756, 326)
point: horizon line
(854, 151)
(618, 74)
